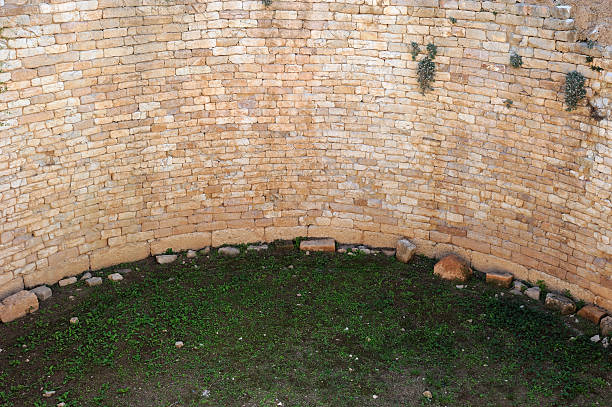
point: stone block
(93, 281)
(42, 292)
(606, 326)
(13, 286)
(560, 303)
(318, 245)
(501, 279)
(229, 251)
(533, 293)
(18, 305)
(166, 258)
(405, 250)
(453, 268)
(592, 313)
(67, 281)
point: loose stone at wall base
(67, 281)
(18, 305)
(405, 250)
(592, 313)
(229, 251)
(452, 267)
(318, 245)
(560, 303)
(166, 258)
(501, 279)
(533, 293)
(42, 292)
(606, 326)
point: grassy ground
(283, 327)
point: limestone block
(18, 305)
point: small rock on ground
(67, 281)
(514, 291)
(86, 276)
(388, 252)
(501, 279)
(427, 394)
(191, 254)
(258, 248)
(48, 393)
(205, 251)
(42, 292)
(452, 267)
(124, 271)
(18, 305)
(115, 277)
(533, 293)
(592, 313)
(318, 245)
(405, 250)
(74, 320)
(595, 338)
(94, 281)
(519, 285)
(606, 326)
(229, 251)
(560, 303)
(179, 344)
(166, 258)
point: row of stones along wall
(133, 126)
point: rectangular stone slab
(318, 245)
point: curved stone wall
(132, 126)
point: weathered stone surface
(592, 313)
(18, 305)
(191, 254)
(533, 293)
(560, 303)
(318, 245)
(67, 281)
(166, 258)
(229, 251)
(205, 251)
(86, 276)
(405, 250)
(181, 242)
(499, 278)
(126, 253)
(519, 285)
(42, 292)
(93, 281)
(606, 326)
(115, 277)
(11, 286)
(452, 267)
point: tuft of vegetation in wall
(267, 2)
(516, 61)
(574, 89)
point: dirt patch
(593, 18)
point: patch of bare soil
(593, 18)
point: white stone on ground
(42, 292)
(191, 254)
(595, 338)
(405, 250)
(124, 271)
(179, 344)
(166, 258)
(67, 281)
(533, 293)
(94, 281)
(86, 276)
(258, 248)
(74, 320)
(229, 251)
(115, 277)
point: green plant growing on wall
(574, 89)
(453, 20)
(508, 103)
(516, 61)
(414, 50)
(432, 51)
(267, 2)
(426, 69)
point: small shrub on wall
(574, 89)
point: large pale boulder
(452, 267)
(405, 250)
(18, 305)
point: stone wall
(132, 126)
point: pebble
(460, 286)
(605, 342)
(166, 258)
(86, 276)
(374, 396)
(48, 393)
(595, 338)
(179, 344)
(229, 251)
(191, 254)
(74, 320)
(67, 281)
(93, 281)
(427, 394)
(115, 277)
